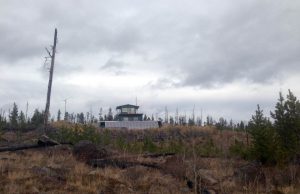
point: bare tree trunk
(46, 118)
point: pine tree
(101, 114)
(22, 120)
(66, 117)
(110, 116)
(287, 125)
(80, 118)
(263, 146)
(279, 118)
(37, 118)
(209, 120)
(191, 122)
(172, 122)
(145, 117)
(242, 126)
(13, 117)
(2, 120)
(292, 107)
(58, 115)
(221, 125)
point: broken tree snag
(52, 56)
(46, 141)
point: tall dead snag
(52, 56)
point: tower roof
(127, 106)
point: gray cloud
(253, 40)
(192, 44)
(114, 66)
(257, 41)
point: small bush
(209, 149)
(239, 149)
(105, 137)
(121, 144)
(149, 146)
(172, 146)
(75, 133)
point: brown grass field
(55, 169)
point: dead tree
(42, 142)
(52, 56)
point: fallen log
(21, 147)
(116, 162)
(159, 155)
(43, 141)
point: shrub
(121, 143)
(149, 146)
(239, 149)
(75, 133)
(209, 149)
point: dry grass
(51, 171)
(55, 170)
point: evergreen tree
(58, 115)
(287, 125)
(191, 122)
(263, 138)
(292, 108)
(145, 117)
(13, 117)
(71, 117)
(37, 118)
(209, 121)
(221, 125)
(172, 122)
(87, 117)
(110, 116)
(279, 116)
(80, 118)
(2, 120)
(199, 121)
(1, 123)
(66, 117)
(22, 120)
(231, 125)
(101, 115)
(242, 126)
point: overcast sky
(223, 57)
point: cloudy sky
(223, 57)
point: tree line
(18, 120)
